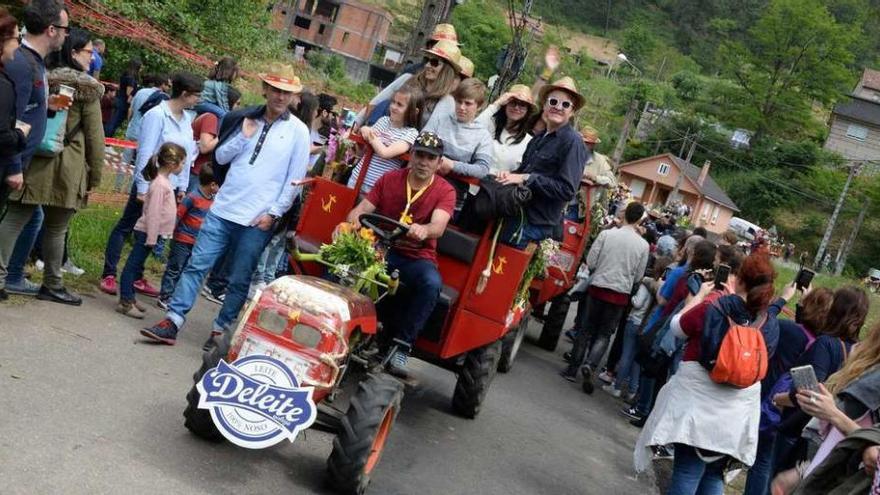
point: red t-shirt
(388, 195)
(204, 123)
(691, 324)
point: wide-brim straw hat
(523, 93)
(448, 51)
(565, 84)
(445, 32)
(590, 135)
(282, 77)
(466, 66)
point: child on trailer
(190, 215)
(155, 224)
(390, 137)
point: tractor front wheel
(474, 379)
(199, 421)
(511, 343)
(553, 322)
(363, 432)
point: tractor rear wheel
(474, 379)
(363, 432)
(553, 322)
(199, 421)
(511, 343)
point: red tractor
(327, 333)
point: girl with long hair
(215, 93)
(507, 121)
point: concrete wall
(851, 148)
(348, 28)
(713, 216)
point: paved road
(86, 407)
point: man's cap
(428, 142)
(282, 77)
(444, 32)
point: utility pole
(681, 173)
(841, 263)
(684, 142)
(853, 172)
(624, 134)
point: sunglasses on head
(557, 103)
(433, 62)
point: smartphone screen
(804, 278)
(804, 378)
(721, 274)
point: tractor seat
(458, 245)
(306, 245)
(433, 329)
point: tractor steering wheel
(388, 229)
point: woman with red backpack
(710, 408)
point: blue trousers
(216, 237)
(124, 227)
(134, 265)
(693, 476)
(627, 368)
(23, 246)
(178, 256)
(417, 297)
(518, 235)
(761, 472)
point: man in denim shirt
(551, 167)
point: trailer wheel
(474, 379)
(197, 420)
(362, 434)
(511, 343)
(553, 322)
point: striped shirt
(190, 215)
(378, 165)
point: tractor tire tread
(474, 379)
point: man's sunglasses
(557, 103)
(433, 62)
(66, 29)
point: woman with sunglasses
(507, 121)
(13, 135)
(436, 80)
(60, 184)
(551, 166)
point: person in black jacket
(13, 135)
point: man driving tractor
(424, 202)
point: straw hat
(282, 77)
(444, 32)
(565, 84)
(448, 51)
(590, 135)
(466, 66)
(523, 93)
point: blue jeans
(761, 472)
(218, 279)
(124, 227)
(216, 237)
(134, 265)
(693, 476)
(646, 395)
(178, 255)
(627, 368)
(513, 236)
(420, 289)
(23, 246)
(270, 259)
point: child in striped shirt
(391, 137)
(190, 215)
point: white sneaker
(39, 265)
(606, 377)
(610, 390)
(70, 268)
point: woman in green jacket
(61, 183)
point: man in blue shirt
(47, 25)
(97, 62)
(266, 153)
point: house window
(637, 187)
(706, 209)
(344, 38)
(663, 169)
(302, 22)
(715, 213)
(321, 28)
(857, 132)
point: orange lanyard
(405, 217)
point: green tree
(482, 34)
(795, 54)
(638, 42)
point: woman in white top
(507, 121)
